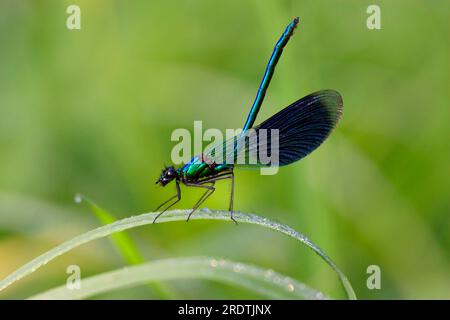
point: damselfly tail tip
(293, 25)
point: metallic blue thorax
(197, 169)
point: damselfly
(301, 128)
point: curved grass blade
(265, 282)
(124, 244)
(175, 215)
(121, 240)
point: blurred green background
(92, 111)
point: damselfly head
(167, 175)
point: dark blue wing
(302, 127)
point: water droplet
(213, 263)
(290, 287)
(276, 280)
(78, 198)
(268, 274)
(238, 268)
(320, 296)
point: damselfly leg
(223, 176)
(178, 196)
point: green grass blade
(175, 215)
(265, 282)
(121, 240)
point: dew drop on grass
(320, 296)
(213, 263)
(238, 268)
(78, 198)
(276, 280)
(268, 274)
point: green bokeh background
(92, 111)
